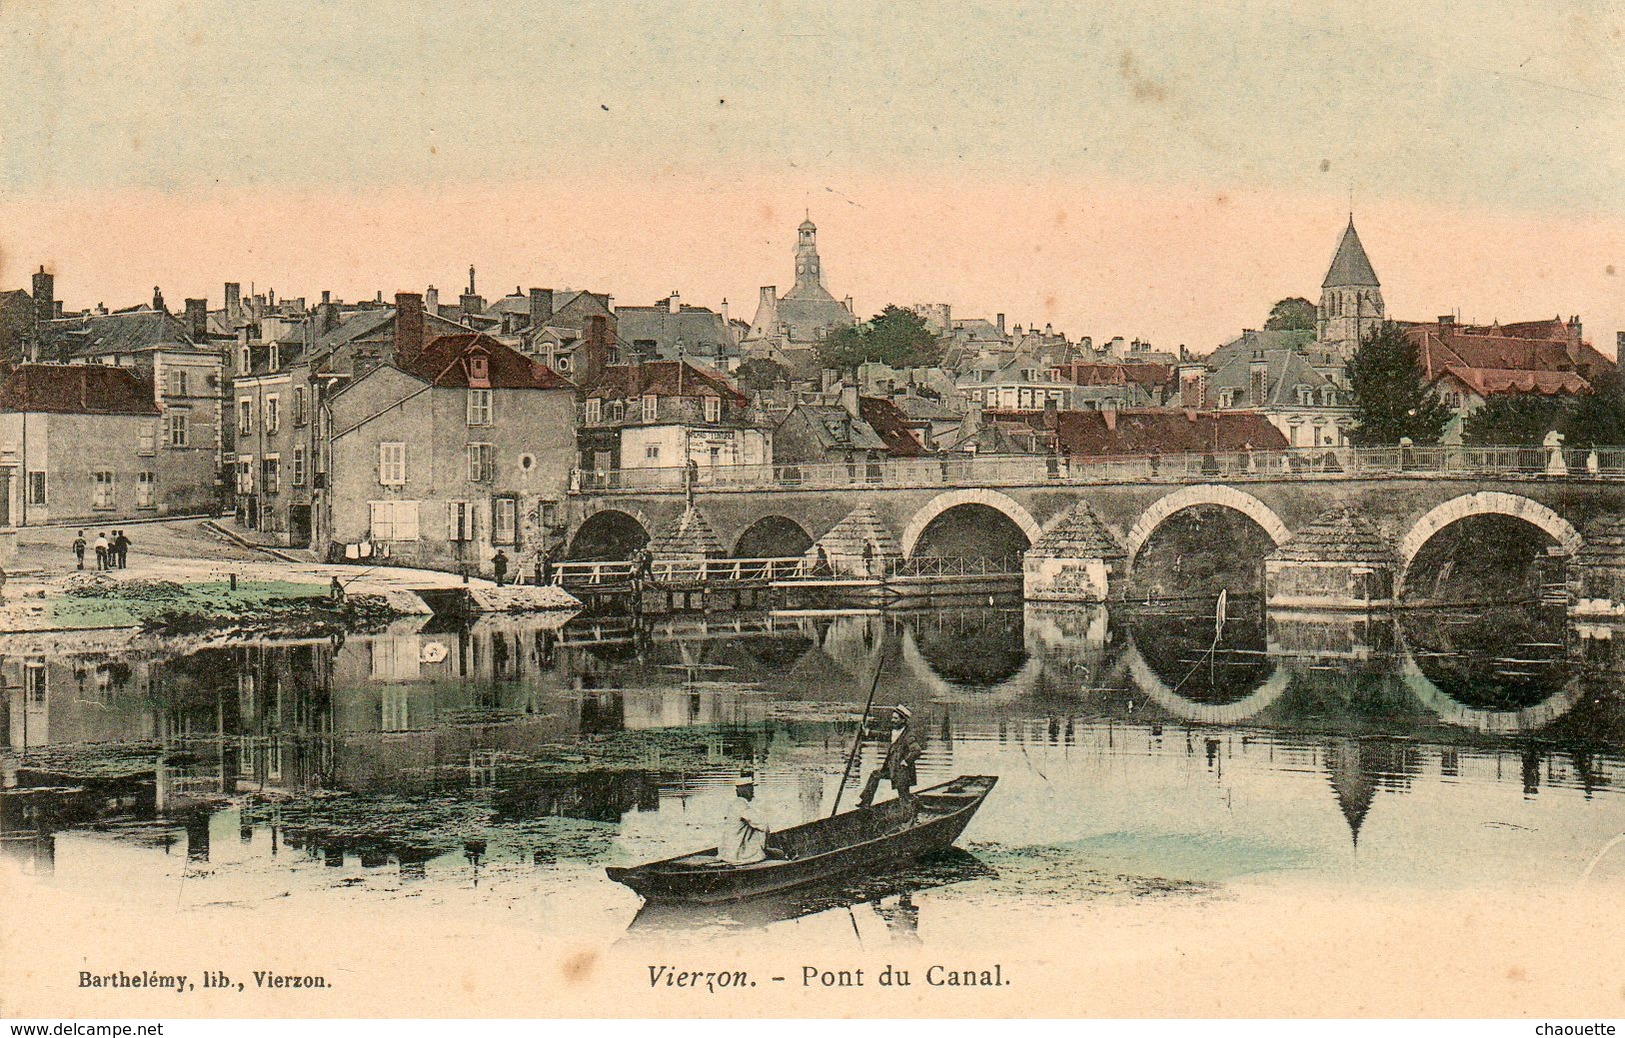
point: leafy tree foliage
(1598, 420)
(1291, 315)
(1391, 400)
(760, 373)
(895, 336)
(1515, 420)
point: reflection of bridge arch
(1203, 494)
(1008, 506)
(1149, 682)
(1019, 684)
(1498, 722)
(1486, 502)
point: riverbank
(185, 578)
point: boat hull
(669, 882)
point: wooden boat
(874, 838)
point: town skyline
(1077, 272)
(1134, 171)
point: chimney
(431, 301)
(998, 322)
(849, 398)
(1110, 415)
(197, 320)
(770, 294)
(408, 328)
(675, 303)
(157, 299)
(56, 309)
(1258, 380)
(1447, 320)
(234, 303)
(724, 311)
(851, 307)
(44, 296)
(327, 296)
(541, 306)
(1049, 329)
(327, 316)
(595, 350)
(832, 378)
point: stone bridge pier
(1339, 541)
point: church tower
(808, 274)
(1350, 298)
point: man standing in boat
(743, 838)
(898, 767)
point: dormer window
(245, 360)
(713, 409)
(479, 368)
(1305, 396)
(651, 407)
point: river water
(508, 762)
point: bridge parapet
(1302, 463)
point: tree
(1598, 419)
(1391, 401)
(896, 336)
(1296, 314)
(760, 373)
(1515, 420)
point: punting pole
(857, 740)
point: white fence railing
(1035, 470)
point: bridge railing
(958, 566)
(1032, 470)
(683, 571)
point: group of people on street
(112, 551)
(543, 568)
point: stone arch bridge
(1406, 510)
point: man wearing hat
(743, 836)
(898, 767)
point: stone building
(787, 329)
(674, 330)
(87, 444)
(446, 453)
(1350, 298)
(639, 418)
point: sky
(1155, 170)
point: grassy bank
(95, 601)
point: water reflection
(522, 755)
(891, 896)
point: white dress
(742, 837)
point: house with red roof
(863, 433)
(657, 415)
(85, 443)
(1468, 364)
(446, 453)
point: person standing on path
(79, 548)
(121, 548)
(101, 550)
(499, 564)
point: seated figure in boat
(743, 836)
(898, 767)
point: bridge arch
(1484, 502)
(1002, 503)
(771, 537)
(609, 534)
(1203, 494)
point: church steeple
(1350, 297)
(808, 274)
